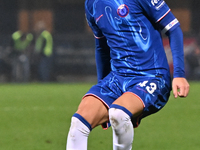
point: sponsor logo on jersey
(170, 25)
(157, 3)
(123, 10)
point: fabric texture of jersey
(131, 30)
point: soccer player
(132, 69)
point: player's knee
(114, 117)
(79, 125)
(118, 116)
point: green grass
(37, 117)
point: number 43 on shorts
(151, 88)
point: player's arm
(173, 31)
(180, 85)
(171, 27)
(159, 13)
(102, 55)
(102, 50)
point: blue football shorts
(153, 91)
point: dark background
(73, 40)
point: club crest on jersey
(123, 10)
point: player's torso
(122, 21)
(131, 36)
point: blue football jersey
(133, 32)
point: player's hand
(180, 87)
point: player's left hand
(180, 87)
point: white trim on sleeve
(163, 16)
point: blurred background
(49, 40)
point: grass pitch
(37, 117)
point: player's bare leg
(120, 118)
(91, 113)
(93, 110)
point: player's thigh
(131, 102)
(93, 110)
